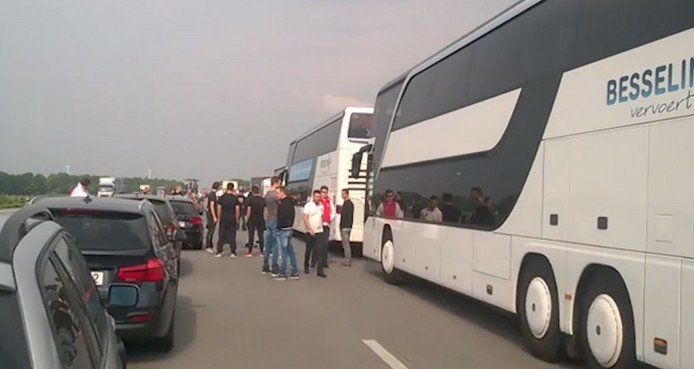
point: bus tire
(390, 274)
(606, 326)
(538, 309)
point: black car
(125, 244)
(189, 220)
(164, 210)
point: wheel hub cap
(604, 330)
(538, 307)
(387, 257)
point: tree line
(61, 183)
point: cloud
(333, 104)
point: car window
(104, 230)
(184, 207)
(73, 262)
(163, 211)
(63, 309)
(158, 231)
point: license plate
(182, 224)
(98, 278)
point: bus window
(361, 126)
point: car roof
(95, 203)
(139, 196)
(16, 226)
(178, 198)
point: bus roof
(324, 123)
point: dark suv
(125, 244)
(164, 210)
(189, 220)
(50, 312)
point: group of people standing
(272, 218)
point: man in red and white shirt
(82, 188)
(389, 208)
(328, 216)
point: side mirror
(180, 236)
(124, 295)
(356, 161)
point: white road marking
(386, 356)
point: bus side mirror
(356, 164)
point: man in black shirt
(451, 214)
(346, 222)
(212, 216)
(255, 205)
(229, 210)
(285, 222)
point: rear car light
(196, 222)
(141, 318)
(153, 271)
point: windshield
(361, 126)
(184, 207)
(105, 188)
(102, 231)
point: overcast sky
(206, 89)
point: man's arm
(238, 212)
(219, 211)
(308, 225)
(249, 211)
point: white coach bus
(544, 164)
(323, 157)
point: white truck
(108, 186)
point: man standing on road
(285, 222)
(346, 222)
(82, 188)
(212, 216)
(328, 216)
(255, 206)
(313, 219)
(271, 228)
(229, 209)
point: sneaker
(209, 249)
(279, 278)
(218, 255)
(322, 275)
(294, 277)
(265, 271)
(233, 256)
(346, 264)
(248, 255)
(274, 274)
(306, 271)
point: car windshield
(104, 230)
(184, 207)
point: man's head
(281, 193)
(317, 196)
(255, 190)
(447, 198)
(274, 182)
(476, 194)
(390, 195)
(324, 190)
(345, 194)
(433, 202)
(230, 187)
(85, 181)
(216, 185)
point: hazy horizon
(212, 89)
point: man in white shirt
(313, 219)
(432, 213)
(82, 188)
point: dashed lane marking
(386, 356)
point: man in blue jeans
(285, 221)
(271, 228)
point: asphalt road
(230, 316)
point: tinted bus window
(360, 126)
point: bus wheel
(390, 273)
(538, 309)
(606, 330)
